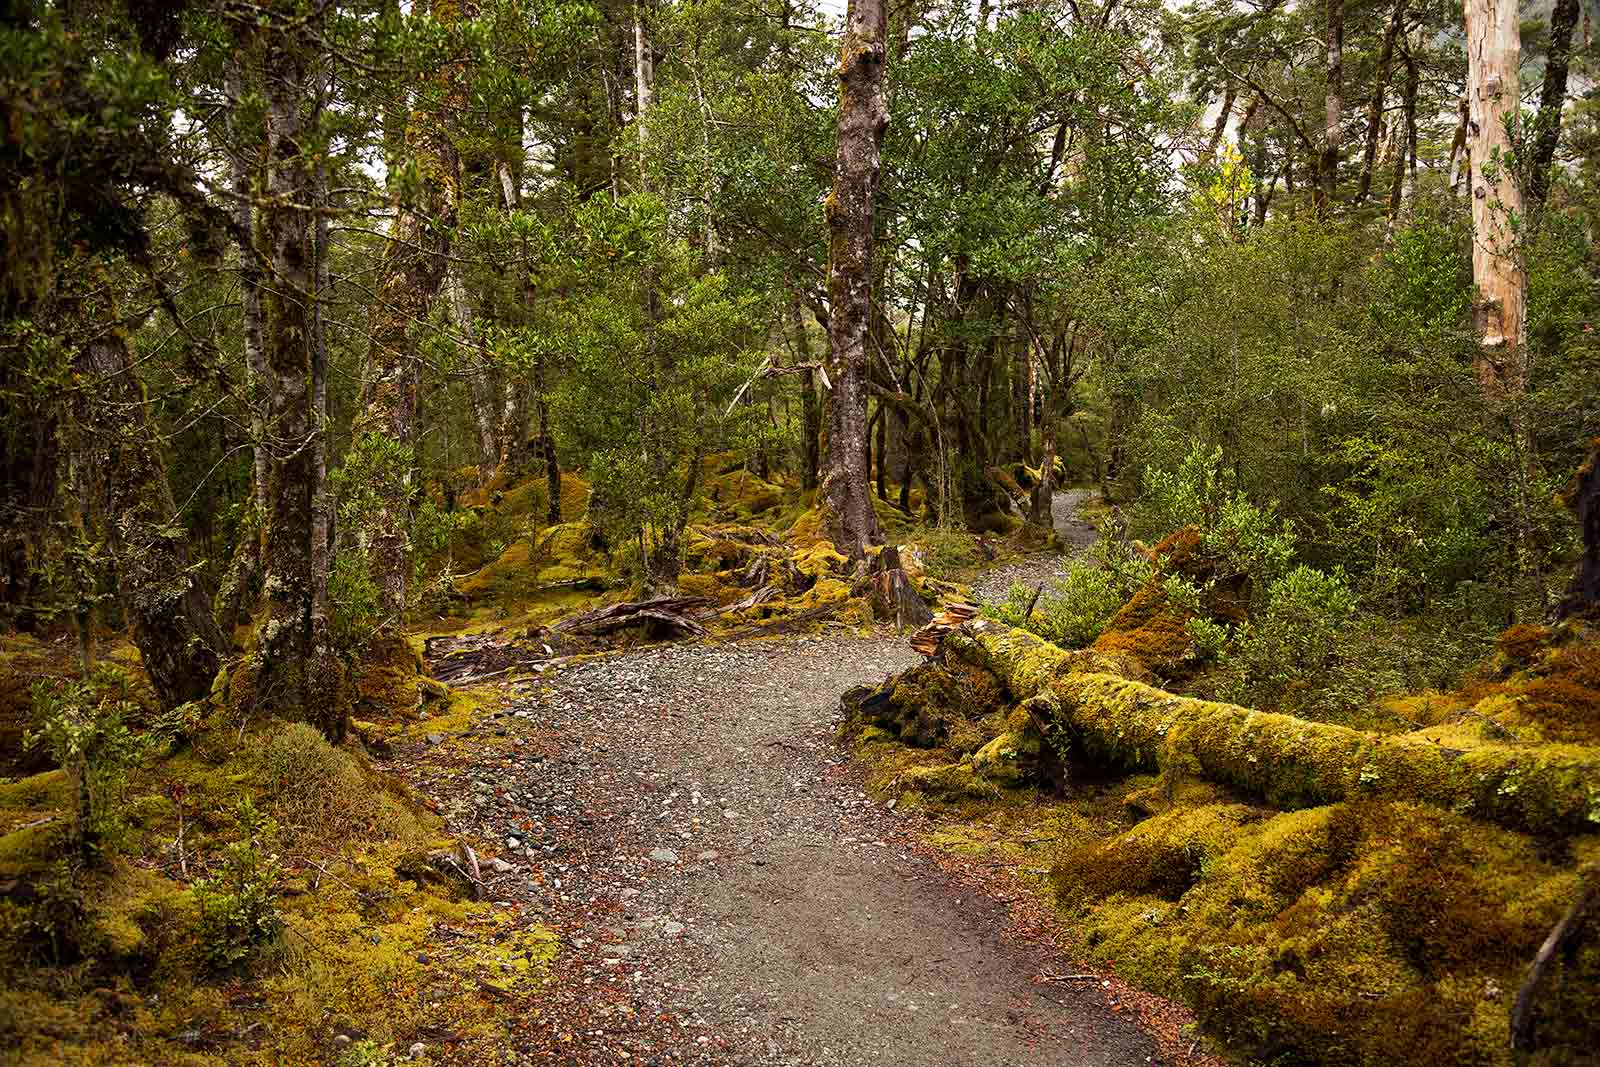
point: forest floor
(725, 889)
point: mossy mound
(1153, 629)
(1363, 933)
(491, 518)
(114, 963)
(1543, 685)
(561, 556)
(921, 706)
(1318, 894)
(390, 681)
(740, 496)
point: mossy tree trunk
(413, 275)
(863, 117)
(1094, 712)
(810, 408)
(284, 236)
(118, 444)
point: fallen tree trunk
(672, 613)
(1286, 761)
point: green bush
(83, 726)
(1244, 536)
(1295, 654)
(1071, 614)
(1076, 607)
(238, 906)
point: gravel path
(725, 891)
(1075, 534)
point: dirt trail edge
(725, 891)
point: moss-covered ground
(368, 945)
(147, 951)
(1371, 930)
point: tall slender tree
(1494, 52)
(863, 118)
(284, 239)
(1552, 100)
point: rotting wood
(894, 595)
(927, 640)
(779, 625)
(675, 613)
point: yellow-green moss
(820, 559)
(1289, 761)
(47, 790)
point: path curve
(726, 891)
(1074, 534)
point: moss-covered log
(1286, 761)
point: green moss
(819, 560)
(1286, 761)
(1012, 759)
(49, 790)
(948, 780)
(31, 850)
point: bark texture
(863, 118)
(169, 613)
(284, 236)
(1494, 48)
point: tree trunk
(1406, 149)
(1460, 164)
(1583, 497)
(1494, 46)
(413, 274)
(1328, 168)
(547, 442)
(881, 470)
(1221, 126)
(863, 118)
(1552, 98)
(255, 370)
(285, 229)
(1086, 706)
(1042, 512)
(644, 77)
(810, 408)
(327, 677)
(514, 425)
(1369, 156)
(170, 615)
(241, 586)
(480, 379)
